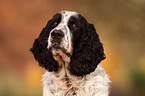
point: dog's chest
(67, 83)
(94, 84)
(62, 83)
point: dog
(69, 48)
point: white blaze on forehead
(65, 19)
(66, 15)
(63, 25)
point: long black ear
(41, 53)
(88, 51)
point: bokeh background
(119, 23)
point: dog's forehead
(67, 14)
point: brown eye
(55, 23)
(74, 26)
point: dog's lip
(56, 45)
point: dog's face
(61, 36)
(70, 37)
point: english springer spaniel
(69, 48)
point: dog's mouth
(56, 45)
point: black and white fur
(70, 50)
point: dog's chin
(56, 46)
(57, 49)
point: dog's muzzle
(56, 36)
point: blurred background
(119, 23)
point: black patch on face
(76, 32)
(56, 18)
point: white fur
(93, 84)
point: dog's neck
(63, 76)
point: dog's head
(68, 35)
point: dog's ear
(88, 51)
(41, 52)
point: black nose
(57, 34)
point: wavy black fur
(88, 50)
(41, 53)
(40, 50)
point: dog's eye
(74, 26)
(55, 23)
